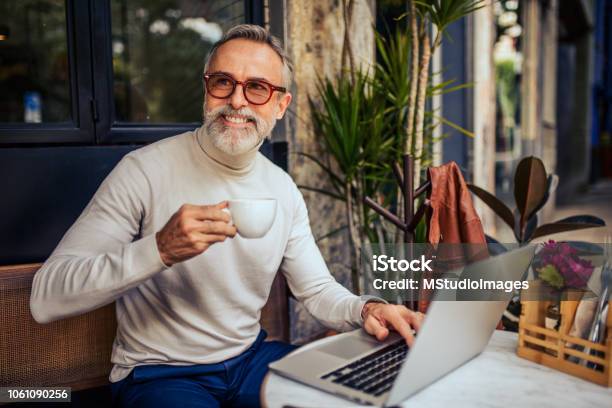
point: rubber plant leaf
(551, 186)
(495, 247)
(525, 235)
(583, 218)
(530, 186)
(557, 227)
(532, 224)
(494, 203)
(586, 248)
(516, 229)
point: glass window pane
(34, 69)
(158, 49)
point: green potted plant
(532, 190)
(365, 120)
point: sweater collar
(235, 164)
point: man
(188, 289)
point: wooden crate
(549, 347)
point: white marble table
(496, 378)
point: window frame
(109, 132)
(80, 129)
(88, 28)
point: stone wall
(483, 110)
(314, 36)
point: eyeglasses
(256, 91)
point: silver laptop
(356, 366)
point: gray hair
(258, 34)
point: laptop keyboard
(373, 374)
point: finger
(191, 225)
(400, 325)
(209, 213)
(185, 208)
(217, 227)
(414, 318)
(199, 239)
(188, 225)
(373, 326)
(212, 238)
(223, 204)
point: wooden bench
(75, 352)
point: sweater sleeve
(102, 255)
(310, 280)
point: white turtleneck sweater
(203, 310)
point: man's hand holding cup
(192, 230)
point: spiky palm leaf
(444, 12)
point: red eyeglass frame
(273, 88)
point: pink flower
(574, 270)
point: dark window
(107, 71)
(45, 95)
(158, 50)
(34, 59)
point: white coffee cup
(253, 217)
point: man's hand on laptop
(378, 318)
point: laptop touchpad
(348, 347)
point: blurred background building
(84, 82)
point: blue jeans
(234, 382)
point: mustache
(215, 113)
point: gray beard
(236, 141)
